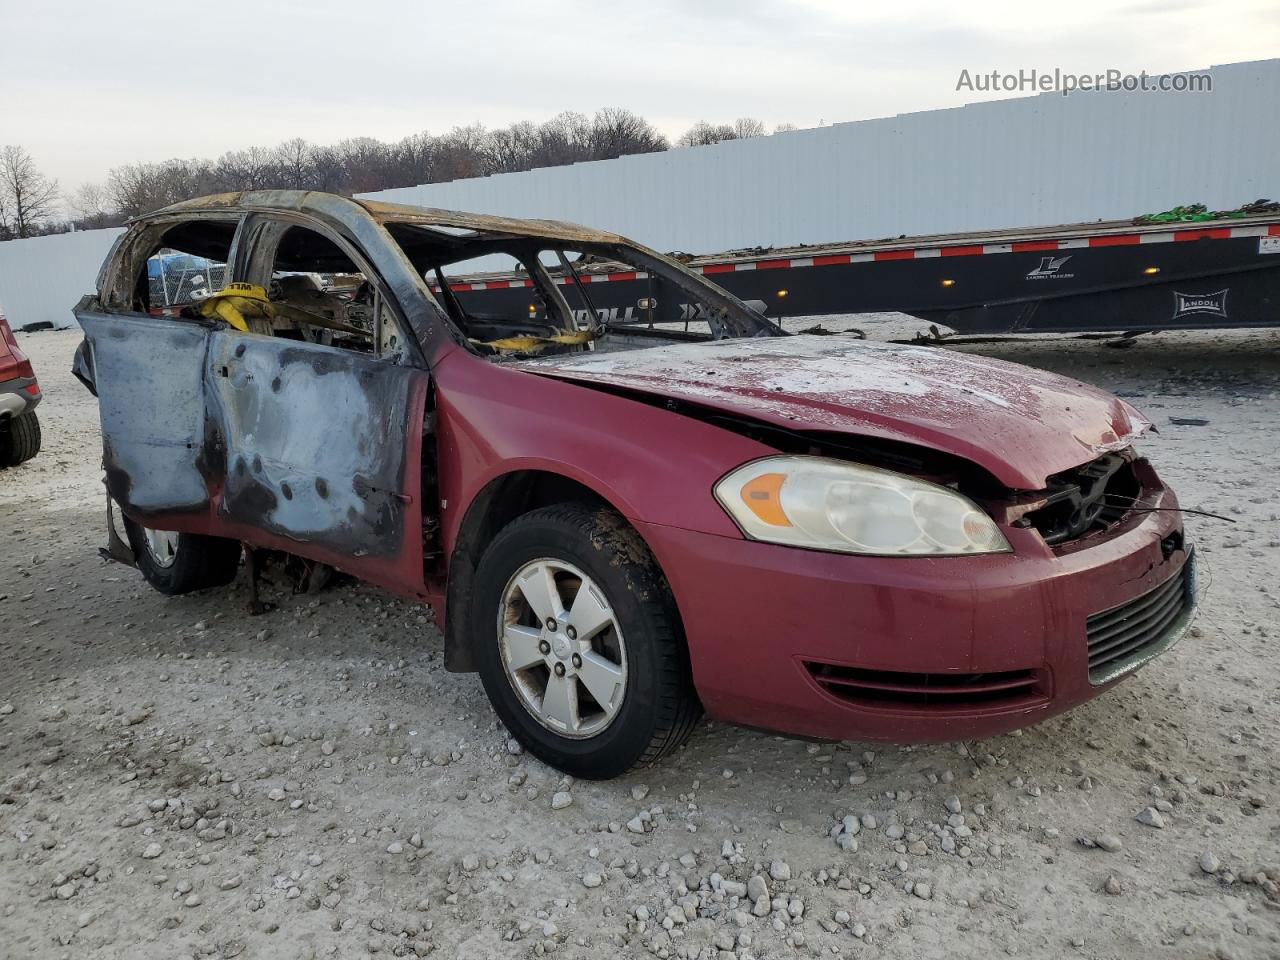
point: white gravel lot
(179, 779)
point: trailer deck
(1103, 276)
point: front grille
(1125, 636)
(1088, 499)
(886, 688)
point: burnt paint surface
(315, 441)
(151, 403)
(261, 439)
(337, 208)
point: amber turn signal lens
(763, 497)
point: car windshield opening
(515, 295)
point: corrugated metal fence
(42, 278)
(1007, 163)
(1035, 160)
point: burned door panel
(148, 372)
(316, 441)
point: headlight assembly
(845, 507)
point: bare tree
(363, 164)
(141, 187)
(415, 160)
(251, 169)
(29, 197)
(616, 132)
(327, 171)
(703, 134)
(564, 139)
(93, 207)
(366, 163)
(293, 162)
(511, 149)
(462, 153)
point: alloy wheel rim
(562, 648)
(162, 546)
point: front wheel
(176, 563)
(579, 643)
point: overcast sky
(87, 85)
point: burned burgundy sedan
(620, 526)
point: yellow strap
(531, 344)
(236, 302)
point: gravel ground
(179, 779)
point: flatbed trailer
(1112, 276)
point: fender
(661, 466)
(656, 466)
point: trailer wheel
(21, 441)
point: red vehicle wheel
(579, 643)
(176, 563)
(21, 441)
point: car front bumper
(920, 649)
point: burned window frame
(732, 319)
(125, 266)
(526, 252)
(119, 276)
(259, 238)
(370, 227)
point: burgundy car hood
(1019, 423)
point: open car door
(323, 452)
(281, 443)
(148, 373)
(286, 445)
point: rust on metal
(395, 213)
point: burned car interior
(307, 287)
(297, 285)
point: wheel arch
(502, 500)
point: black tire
(199, 562)
(21, 440)
(659, 707)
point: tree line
(32, 204)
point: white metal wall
(1035, 160)
(42, 278)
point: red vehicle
(19, 394)
(621, 527)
